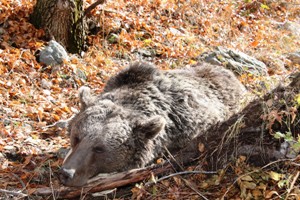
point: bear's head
(105, 138)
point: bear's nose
(66, 174)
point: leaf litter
(166, 32)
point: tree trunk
(62, 20)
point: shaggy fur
(141, 111)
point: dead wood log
(245, 131)
(106, 182)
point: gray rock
(235, 60)
(53, 54)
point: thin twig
(182, 173)
(91, 7)
(295, 164)
(188, 183)
(20, 180)
(50, 179)
(13, 193)
(278, 161)
(172, 157)
(292, 185)
(22, 183)
(60, 123)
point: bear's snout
(65, 175)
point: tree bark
(63, 20)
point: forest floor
(169, 34)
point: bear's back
(136, 74)
(190, 99)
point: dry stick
(91, 7)
(51, 184)
(82, 195)
(13, 193)
(248, 173)
(172, 157)
(60, 123)
(292, 185)
(186, 181)
(22, 183)
(189, 184)
(295, 164)
(20, 180)
(106, 182)
(183, 173)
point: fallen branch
(18, 194)
(93, 6)
(106, 182)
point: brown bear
(142, 111)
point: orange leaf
(40, 113)
(254, 43)
(66, 109)
(55, 117)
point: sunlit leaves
(297, 98)
(264, 6)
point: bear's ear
(150, 128)
(85, 97)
